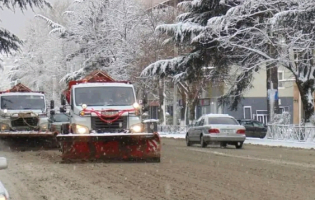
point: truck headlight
(81, 129)
(44, 126)
(137, 128)
(4, 127)
(2, 197)
(136, 105)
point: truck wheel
(239, 145)
(187, 141)
(65, 129)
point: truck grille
(32, 121)
(98, 125)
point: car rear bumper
(217, 138)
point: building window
(280, 79)
(247, 112)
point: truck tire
(65, 129)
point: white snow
(256, 141)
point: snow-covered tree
(250, 34)
(188, 66)
(106, 36)
(41, 62)
(269, 33)
(151, 50)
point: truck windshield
(104, 96)
(23, 102)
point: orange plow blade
(140, 146)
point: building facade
(254, 104)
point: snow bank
(258, 141)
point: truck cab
(23, 111)
(97, 108)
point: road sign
(275, 92)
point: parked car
(254, 128)
(4, 195)
(55, 121)
(220, 128)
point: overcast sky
(16, 21)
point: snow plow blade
(27, 134)
(28, 140)
(108, 146)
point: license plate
(109, 113)
(24, 115)
(227, 131)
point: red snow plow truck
(105, 122)
(23, 114)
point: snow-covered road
(255, 172)
(258, 141)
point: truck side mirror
(144, 101)
(52, 112)
(63, 100)
(52, 104)
(62, 110)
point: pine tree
(191, 25)
(243, 37)
(8, 41)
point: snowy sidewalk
(258, 141)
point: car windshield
(222, 120)
(23, 102)
(104, 96)
(61, 118)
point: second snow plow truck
(105, 123)
(23, 115)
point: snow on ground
(257, 141)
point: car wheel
(223, 144)
(202, 142)
(239, 145)
(187, 141)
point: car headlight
(79, 129)
(137, 128)
(4, 127)
(2, 197)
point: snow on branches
(250, 34)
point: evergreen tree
(8, 41)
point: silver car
(216, 128)
(4, 195)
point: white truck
(105, 122)
(23, 113)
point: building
(254, 104)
